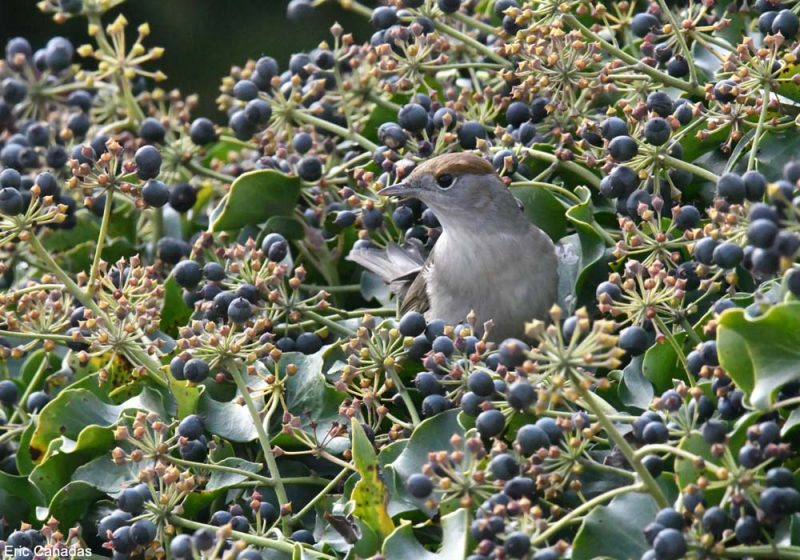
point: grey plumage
(489, 258)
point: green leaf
(75, 409)
(175, 313)
(187, 396)
(615, 530)
(761, 354)
(432, 434)
(370, 494)
(661, 364)
(593, 269)
(21, 488)
(402, 545)
(289, 227)
(228, 420)
(255, 197)
(65, 455)
(543, 209)
(311, 398)
(107, 476)
(71, 503)
(634, 389)
(220, 480)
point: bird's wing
(415, 297)
(398, 266)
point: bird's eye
(445, 181)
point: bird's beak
(400, 189)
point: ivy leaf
(220, 479)
(432, 434)
(402, 545)
(661, 364)
(592, 269)
(634, 388)
(370, 494)
(543, 209)
(175, 313)
(70, 503)
(615, 530)
(761, 354)
(311, 399)
(228, 419)
(255, 197)
(107, 476)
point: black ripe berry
(623, 148)
(187, 274)
(419, 485)
(155, 193)
(195, 370)
(183, 197)
(634, 340)
(657, 131)
(660, 103)
(643, 23)
(786, 23)
(310, 169)
(731, 187)
(490, 423)
(412, 324)
(148, 162)
(202, 131)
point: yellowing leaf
(370, 494)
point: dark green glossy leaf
(634, 388)
(543, 209)
(71, 503)
(312, 399)
(593, 269)
(661, 364)
(105, 475)
(615, 530)
(228, 419)
(403, 545)
(761, 354)
(220, 480)
(174, 313)
(255, 197)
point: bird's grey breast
(509, 278)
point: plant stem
(401, 389)
(681, 41)
(335, 129)
(583, 508)
(332, 325)
(570, 166)
(274, 544)
(69, 284)
(571, 196)
(38, 336)
(324, 492)
(657, 75)
(263, 437)
(467, 40)
(34, 382)
(474, 22)
(762, 117)
(677, 451)
(647, 479)
(764, 551)
(201, 170)
(686, 166)
(266, 481)
(101, 239)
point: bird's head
(461, 188)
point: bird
(489, 260)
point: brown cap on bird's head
(455, 164)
